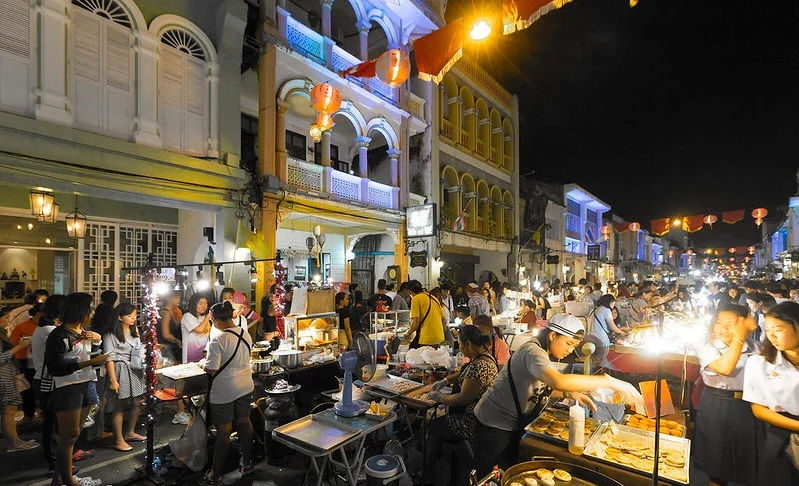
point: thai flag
(459, 224)
(589, 235)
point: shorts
(225, 413)
(74, 397)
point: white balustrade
(380, 195)
(302, 39)
(304, 175)
(345, 186)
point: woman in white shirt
(195, 327)
(228, 363)
(725, 434)
(125, 377)
(67, 359)
(601, 320)
(771, 385)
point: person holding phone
(67, 359)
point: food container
(622, 446)
(186, 379)
(287, 358)
(260, 365)
(554, 420)
(580, 476)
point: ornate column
(51, 97)
(146, 118)
(364, 25)
(327, 6)
(363, 156)
(280, 140)
(393, 159)
(326, 148)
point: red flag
(692, 224)
(365, 69)
(660, 227)
(621, 227)
(520, 14)
(438, 51)
(732, 217)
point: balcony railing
(306, 175)
(479, 149)
(572, 223)
(312, 45)
(507, 161)
(416, 106)
(446, 129)
(466, 140)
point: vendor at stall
(523, 389)
(724, 441)
(468, 385)
(427, 319)
(771, 385)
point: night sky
(669, 108)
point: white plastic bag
(191, 449)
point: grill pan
(581, 476)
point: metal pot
(582, 476)
(260, 365)
(287, 358)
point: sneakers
(87, 481)
(23, 446)
(181, 419)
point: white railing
(304, 175)
(383, 90)
(345, 185)
(381, 195)
(416, 106)
(342, 60)
(302, 39)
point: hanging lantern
(315, 132)
(751, 250)
(40, 200)
(759, 214)
(325, 98)
(606, 231)
(324, 121)
(634, 227)
(393, 67)
(49, 214)
(731, 250)
(710, 219)
(671, 253)
(76, 223)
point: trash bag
(191, 448)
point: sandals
(121, 449)
(136, 438)
(207, 480)
(246, 470)
(23, 446)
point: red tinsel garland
(150, 338)
(280, 273)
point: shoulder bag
(541, 401)
(221, 368)
(415, 342)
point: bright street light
(480, 30)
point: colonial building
(584, 213)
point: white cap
(566, 325)
(473, 286)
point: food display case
(312, 331)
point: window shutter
(15, 27)
(86, 35)
(117, 65)
(171, 88)
(195, 86)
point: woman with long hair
(760, 303)
(468, 385)
(125, 377)
(195, 326)
(601, 320)
(67, 358)
(725, 433)
(497, 346)
(10, 398)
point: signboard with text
(593, 252)
(421, 221)
(418, 258)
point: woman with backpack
(125, 377)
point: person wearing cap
(523, 389)
(478, 305)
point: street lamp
(76, 222)
(480, 30)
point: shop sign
(593, 252)
(421, 221)
(418, 258)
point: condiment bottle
(576, 429)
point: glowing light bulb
(480, 30)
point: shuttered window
(101, 63)
(15, 55)
(183, 93)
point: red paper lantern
(607, 229)
(325, 98)
(751, 249)
(731, 250)
(634, 227)
(710, 219)
(759, 214)
(393, 67)
(324, 121)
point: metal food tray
(322, 436)
(629, 416)
(560, 415)
(413, 397)
(385, 383)
(595, 449)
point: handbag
(136, 356)
(22, 383)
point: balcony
(573, 225)
(340, 185)
(446, 129)
(325, 52)
(466, 139)
(416, 106)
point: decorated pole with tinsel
(280, 273)
(150, 338)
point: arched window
(467, 120)
(450, 196)
(15, 56)
(469, 202)
(450, 109)
(484, 207)
(497, 213)
(483, 145)
(186, 88)
(101, 67)
(507, 155)
(507, 202)
(497, 139)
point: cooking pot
(260, 365)
(287, 358)
(581, 476)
